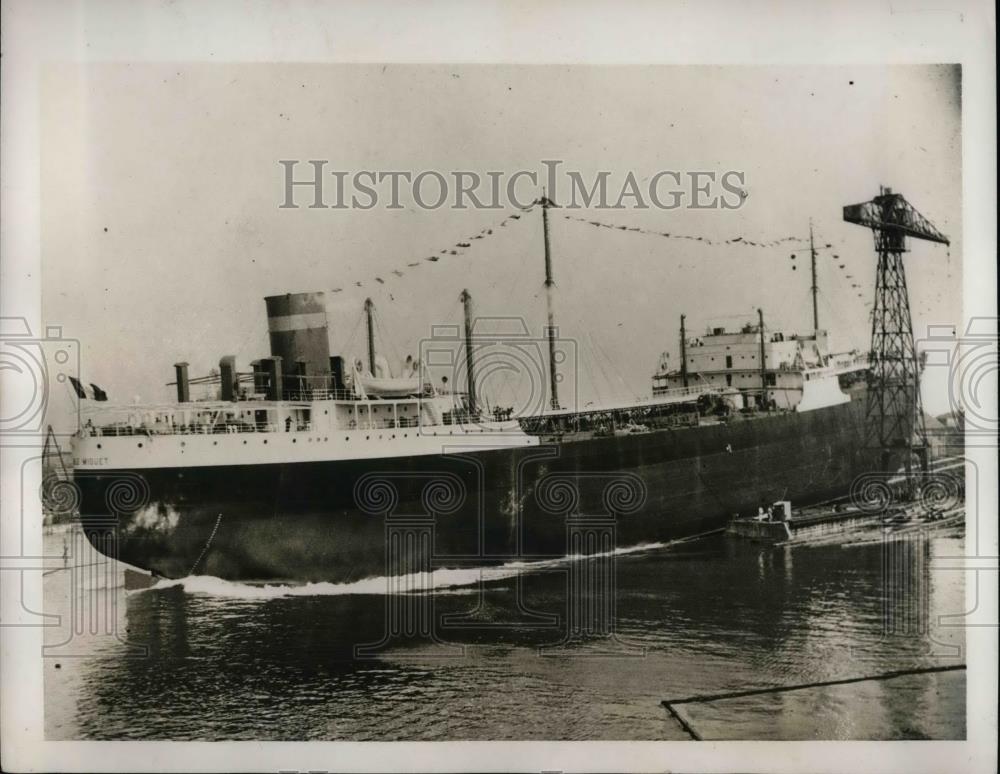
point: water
(206, 660)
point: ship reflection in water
(227, 661)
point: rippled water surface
(202, 659)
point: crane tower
(895, 419)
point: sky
(162, 232)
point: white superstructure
(253, 432)
(792, 366)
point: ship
(317, 467)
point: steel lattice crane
(894, 414)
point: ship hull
(345, 520)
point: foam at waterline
(442, 578)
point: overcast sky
(161, 230)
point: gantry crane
(895, 417)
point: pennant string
(458, 249)
(737, 240)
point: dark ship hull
(340, 521)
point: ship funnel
(227, 378)
(337, 373)
(272, 371)
(183, 385)
(296, 324)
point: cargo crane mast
(895, 417)
(470, 372)
(370, 329)
(814, 288)
(550, 284)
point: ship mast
(815, 287)
(470, 373)
(763, 365)
(369, 310)
(550, 304)
(684, 359)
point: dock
(943, 505)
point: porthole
(139, 445)
(244, 443)
(215, 443)
(294, 440)
(265, 440)
(368, 437)
(347, 438)
(98, 446)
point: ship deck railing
(103, 431)
(194, 418)
(661, 398)
(221, 417)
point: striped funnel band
(296, 322)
